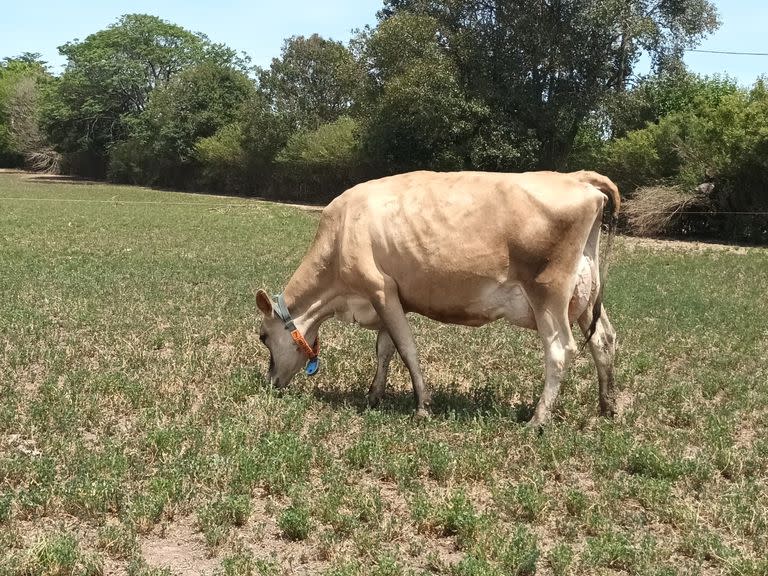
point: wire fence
(251, 203)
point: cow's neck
(309, 296)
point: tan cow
(464, 248)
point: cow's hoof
(608, 410)
(536, 424)
(374, 400)
(422, 414)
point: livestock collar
(311, 352)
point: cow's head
(285, 358)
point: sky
(259, 27)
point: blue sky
(258, 28)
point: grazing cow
(464, 248)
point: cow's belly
(478, 303)
(473, 304)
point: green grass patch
(133, 409)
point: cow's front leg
(387, 303)
(385, 349)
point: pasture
(137, 435)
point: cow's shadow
(445, 404)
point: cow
(464, 248)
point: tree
(313, 82)
(416, 115)
(21, 81)
(109, 78)
(655, 97)
(542, 67)
(194, 104)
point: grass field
(137, 435)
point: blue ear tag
(312, 366)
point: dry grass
(654, 209)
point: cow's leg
(385, 348)
(387, 303)
(559, 347)
(603, 348)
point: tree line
(502, 85)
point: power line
(728, 52)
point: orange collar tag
(302, 343)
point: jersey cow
(465, 248)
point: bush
(129, 163)
(724, 141)
(322, 163)
(222, 160)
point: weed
(519, 553)
(295, 521)
(576, 502)
(560, 559)
(6, 501)
(59, 554)
(457, 517)
(218, 516)
(525, 501)
(610, 550)
(117, 540)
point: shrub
(222, 160)
(320, 163)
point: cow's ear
(264, 302)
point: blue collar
(313, 362)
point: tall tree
(314, 81)
(417, 115)
(21, 81)
(110, 75)
(194, 104)
(542, 66)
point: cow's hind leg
(559, 347)
(385, 349)
(602, 344)
(387, 303)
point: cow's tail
(610, 220)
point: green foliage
(670, 92)
(22, 82)
(193, 105)
(218, 516)
(315, 81)
(457, 517)
(324, 160)
(420, 117)
(444, 85)
(720, 135)
(58, 554)
(295, 521)
(525, 500)
(222, 160)
(542, 68)
(560, 559)
(117, 540)
(109, 78)
(611, 550)
(417, 115)
(519, 554)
